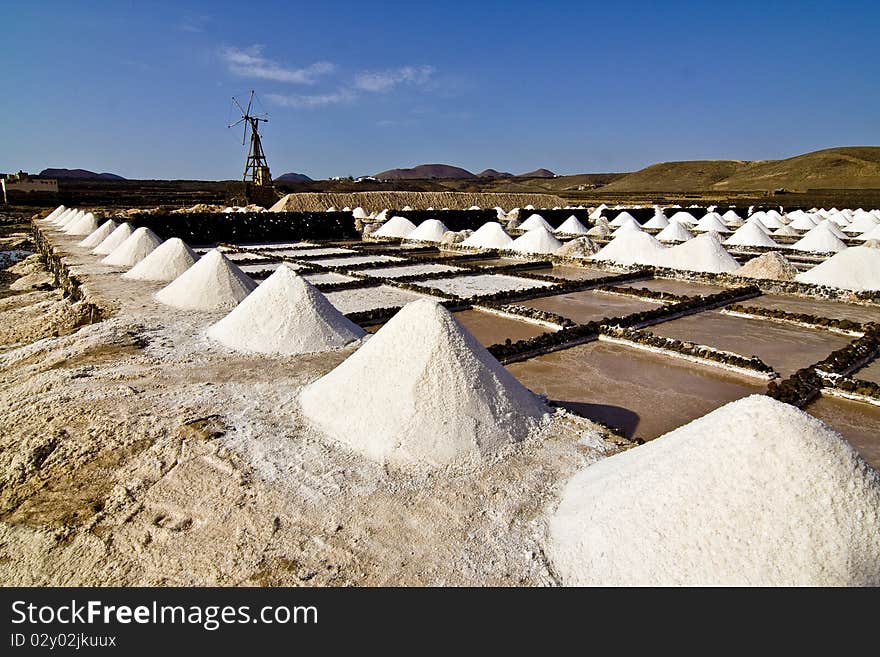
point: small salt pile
(621, 219)
(395, 227)
(703, 253)
(684, 217)
(52, 216)
(430, 230)
(138, 245)
(579, 247)
(633, 248)
(782, 500)
(422, 392)
(771, 266)
(535, 221)
(863, 223)
(489, 236)
(786, 231)
(61, 217)
(772, 220)
(70, 219)
(83, 226)
(359, 213)
(114, 239)
(658, 221)
(834, 229)
(627, 225)
(99, 234)
(537, 240)
(820, 239)
(571, 226)
(213, 283)
(168, 261)
(286, 315)
(731, 218)
(750, 234)
(873, 234)
(712, 221)
(856, 268)
(803, 222)
(674, 232)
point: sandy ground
(135, 452)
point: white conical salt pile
(62, 217)
(862, 223)
(359, 213)
(731, 218)
(803, 222)
(395, 227)
(684, 217)
(633, 247)
(99, 234)
(771, 265)
(85, 225)
(70, 219)
(213, 283)
(381, 215)
(750, 234)
(856, 268)
(285, 315)
(820, 240)
(579, 247)
(712, 221)
(441, 397)
(703, 253)
(674, 232)
(489, 236)
(168, 261)
(137, 247)
(52, 216)
(786, 231)
(114, 239)
(535, 221)
(595, 214)
(834, 228)
(430, 230)
(658, 221)
(600, 230)
(571, 226)
(621, 219)
(839, 219)
(760, 224)
(627, 225)
(537, 240)
(772, 219)
(782, 500)
(873, 234)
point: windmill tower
(256, 168)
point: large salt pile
(862, 223)
(712, 221)
(634, 247)
(168, 261)
(621, 219)
(213, 283)
(856, 268)
(99, 234)
(535, 221)
(755, 493)
(571, 226)
(537, 240)
(873, 234)
(820, 239)
(750, 234)
(137, 247)
(674, 232)
(834, 229)
(489, 236)
(703, 253)
(114, 239)
(579, 247)
(658, 221)
(441, 397)
(771, 265)
(85, 225)
(627, 225)
(395, 227)
(285, 315)
(430, 230)
(772, 220)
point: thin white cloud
(250, 63)
(310, 101)
(382, 81)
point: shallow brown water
(836, 309)
(643, 394)
(785, 348)
(686, 288)
(857, 422)
(590, 305)
(869, 373)
(492, 262)
(572, 273)
(490, 329)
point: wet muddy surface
(785, 348)
(572, 273)
(642, 394)
(869, 373)
(590, 306)
(832, 309)
(490, 329)
(859, 423)
(685, 288)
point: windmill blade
(238, 105)
(232, 125)
(250, 102)
(244, 133)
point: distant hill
(538, 173)
(494, 173)
(293, 177)
(81, 174)
(424, 171)
(854, 167)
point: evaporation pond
(590, 305)
(858, 422)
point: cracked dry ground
(131, 453)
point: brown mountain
(81, 174)
(494, 173)
(538, 173)
(293, 177)
(425, 171)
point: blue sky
(143, 88)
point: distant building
(19, 185)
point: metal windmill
(256, 167)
